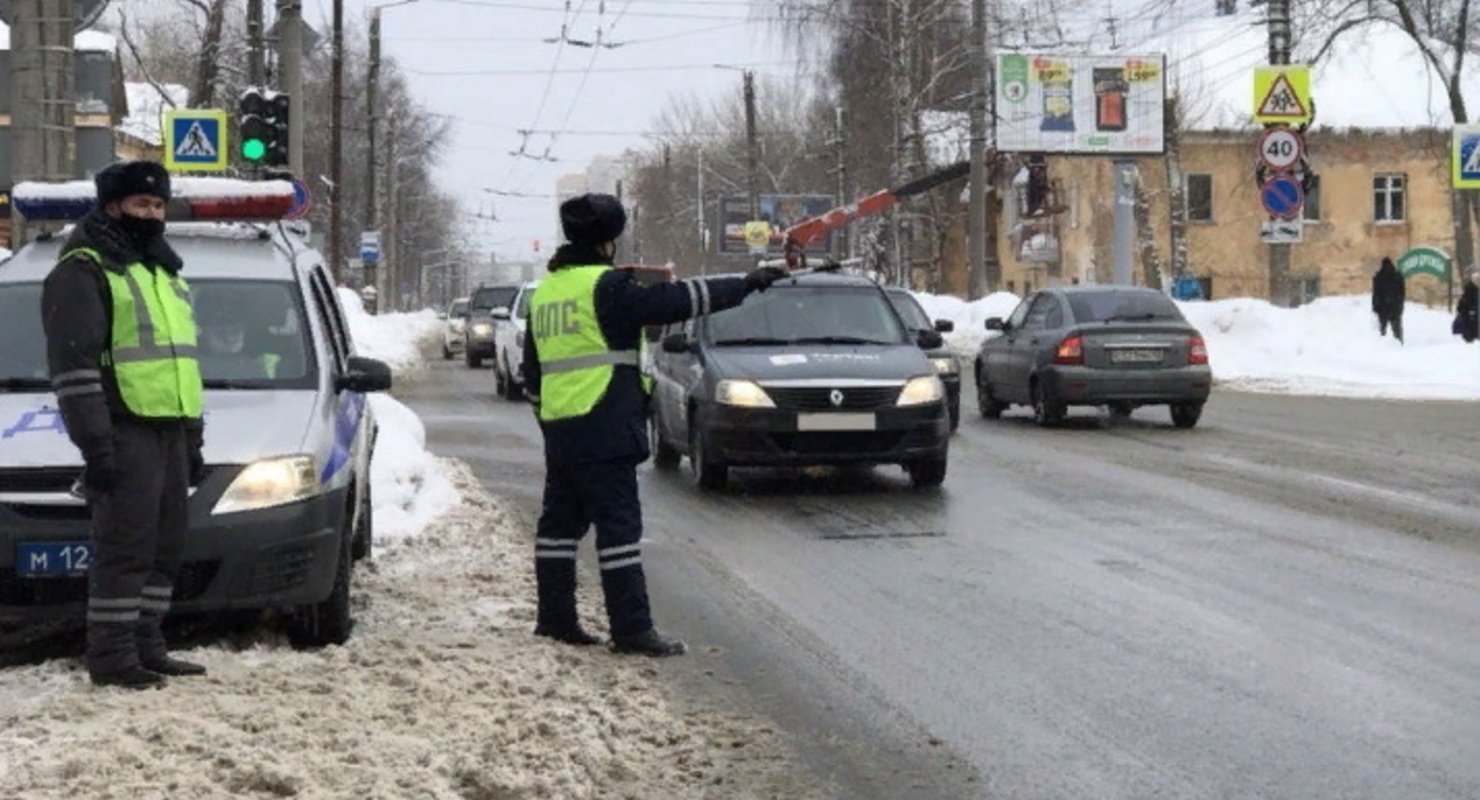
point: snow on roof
(85, 40)
(185, 188)
(145, 107)
(1374, 76)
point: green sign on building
(1425, 260)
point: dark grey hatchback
(819, 369)
(1121, 347)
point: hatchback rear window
(1122, 306)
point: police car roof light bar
(193, 199)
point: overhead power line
(582, 71)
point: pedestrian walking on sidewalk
(582, 367)
(121, 339)
(1467, 316)
(1389, 294)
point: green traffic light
(254, 149)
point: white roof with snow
(85, 40)
(146, 106)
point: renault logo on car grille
(836, 397)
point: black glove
(100, 476)
(761, 279)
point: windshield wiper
(245, 383)
(751, 340)
(13, 384)
(837, 340)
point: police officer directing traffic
(583, 366)
(121, 345)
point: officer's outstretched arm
(623, 301)
(76, 327)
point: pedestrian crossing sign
(195, 140)
(1282, 94)
(1466, 156)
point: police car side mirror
(677, 343)
(945, 326)
(930, 340)
(365, 375)
(500, 314)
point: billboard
(1059, 103)
(780, 210)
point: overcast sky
(443, 44)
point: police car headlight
(482, 329)
(268, 483)
(946, 366)
(922, 390)
(746, 394)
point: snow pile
(395, 339)
(970, 318)
(411, 487)
(441, 693)
(1332, 347)
(86, 41)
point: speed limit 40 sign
(1281, 148)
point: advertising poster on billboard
(780, 211)
(1060, 103)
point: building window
(1012, 287)
(1200, 198)
(1307, 289)
(1313, 199)
(1387, 198)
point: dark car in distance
(486, 307)
(817, 370)
(945, 362)
(1121, 347)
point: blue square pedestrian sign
(195, 140)
(1466, 156)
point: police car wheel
(328, 622)
(927, 474)
(364, 542)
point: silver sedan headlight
(268, 483)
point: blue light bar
(52, 208)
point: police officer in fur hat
(582, 367)
(121, 346)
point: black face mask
(141, 231)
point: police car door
(345, 411)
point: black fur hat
(592, 219)
(128, 178)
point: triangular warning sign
(195, 144)
(1281, 101)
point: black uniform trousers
(138, 535)
(1395, 321)
(578, 495)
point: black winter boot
(129, 678)
(649, 643)
(571, 634)
(165, 665)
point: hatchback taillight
(1197, 351)
(1070, 352)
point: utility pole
(752, 157)
(978, 285)
(390, 254)
(840, 166)
(336, 144)
(372, 109)
(256, 71)
(703, 249)
(42, 100)
(290, 55)
(1279, 53)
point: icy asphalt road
(1282, 603)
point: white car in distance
(456, 319)
(508, 344)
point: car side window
(1019, 314)
(1038, 313)
(1055, 319)
(322, 303)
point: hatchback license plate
(52, 559)
(1136, 356)
(836, 422)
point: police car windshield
(910, 311)
(252, 335)
(808, 314)
(22, 343)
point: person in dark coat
(1467, 316)
(1389, 294)
(583, 372)
(121, 347)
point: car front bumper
(756, 437)
(479, 346)
(1091, 386)
(272, 558)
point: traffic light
(264, 127)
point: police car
(285, 507)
